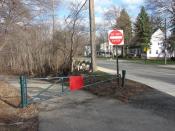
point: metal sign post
(116, 37)
(23, 85)
(117, 66)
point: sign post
(116, 38)
(117, 64)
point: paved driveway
(81, 111)
(155, 76)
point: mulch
(124, 94)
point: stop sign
(116, 37)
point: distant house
(156, 49)
(104, 50)
(87, 50)
(107, 50)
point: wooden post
(92, 34)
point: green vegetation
(159, 62)
(91, 78)
(143, 29)
(156, 62)
(100, 73)
(124, 23)
(164, 9)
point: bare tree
(75, 26)
(166, 9)
(26, 44)
(24, 47)
(111, 15)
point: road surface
(155, 76)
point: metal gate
(41, 89)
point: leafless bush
(30, 48)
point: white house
(107, 50)
(87, 50)
(157, 45)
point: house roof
(158, 32)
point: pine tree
(143, 29)
(124, 23)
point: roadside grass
(152, 62)
(90, 78)
(106, 58)
(149, 62)
(159, 62)
(99, 73)
(97, 76)
(141, 61)
(100, 76)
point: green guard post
(123, 77)
(62, 84)
(23, 86)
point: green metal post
(123, 77)
(117, 67)
(62, 83)
(23, 86)
(25, 90)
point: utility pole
(53, 17)
(92, 35)
(165, 42)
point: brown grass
(11, 113)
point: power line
(77, 11)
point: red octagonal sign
(116, 37)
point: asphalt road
(155, 76)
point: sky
(132, 7)
(101, 6)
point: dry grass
(11, 113)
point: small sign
(116, 37)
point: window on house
(157, 52)
(149, 51)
